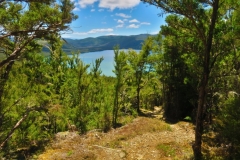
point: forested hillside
(103, 43)
(192, 73)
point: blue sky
(114, 17)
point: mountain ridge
(101, 43)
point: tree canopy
(196, 28)
(22, 25)
(191, 68)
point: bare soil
(145, 138)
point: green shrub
(230, 127)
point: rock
(122, 154)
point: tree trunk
(116, 104)
(138, 99)
(3, 80)
(13, 129)
(199, 120)
(197, 149)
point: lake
(107, 65)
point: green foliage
(167, 149)
(50, 94)
(175, 67)
(198, 37)
(140, 68)
(230, 125)
(188, 118)
(28, 86)
(121, 70)
(137, 83)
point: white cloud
(84, 3)
(76, 9)
(111, 34)
(133, 26)
(154, 32)
(123, 15)
(145, 23)
(111, 4)
(92, 10)
(100, 30)
(74, 34)
(93, 31)
(121, 4)
(134, 21)
(120, 26)
(120, 21)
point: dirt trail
(144, 138)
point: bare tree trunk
(199, 120)
(3, 81)
(13, 129)
(116, 106)
(197, 149)
(138, 98)
(4, 78)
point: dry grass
(143, 138)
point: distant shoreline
(105, 43)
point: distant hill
(104, 43)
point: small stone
(122, 154)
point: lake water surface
(107, 65)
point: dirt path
(143, 139)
